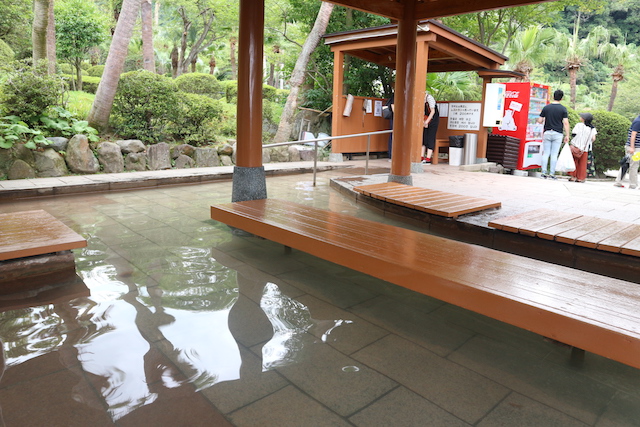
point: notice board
(464, 116)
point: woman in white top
(585, 134)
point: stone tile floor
(191, 324)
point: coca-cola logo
(512, 94)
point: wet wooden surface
(596, 313)
(431, 201)
(575, 229)
(37, 232)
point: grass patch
(79, 103)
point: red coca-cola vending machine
(521, 104)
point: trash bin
(456, 150)
(470, 148)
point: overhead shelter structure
(438, 49)
(249, 181)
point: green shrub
(90, 84)
(269, 92)
(230, 88)
(145, 103)
(6, 53)
(200, 84)
(27, 92)
(612, 135)
(281, 96)
(85, 66)
(66, 69)
(228, 125)
(96, 71)
(197, 118)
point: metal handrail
(331, 138)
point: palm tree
(576, 51)
(39, 30)
(620, 57)
(528, 48)
(146, 16)
(103, 102)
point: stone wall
(78, 156)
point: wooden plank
(37, 232)
(615, 242)
(631, 248)
(552, 218)
(570, 236)
(596, 313)
(550, 233)
(513, 223)
(591, 239)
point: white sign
(464, 116)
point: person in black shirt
(556, 120)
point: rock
(226, 160)
(21, 170)
(158, 156)
(6, 159)
(279, 154)
(131, 146)
(184, 162)
(225, 150)
(306, 153)
(110, 157)
(80, 158)
(206, 157)
(234, 146)
(266, 155)
(58, 143)
(136, 162)
(185, 149)
(50, 163)
(294, 153)
(19, 151)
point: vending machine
(522, 104)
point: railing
(331, 138)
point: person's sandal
(572, 179)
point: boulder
(294, 153)
(306, 153)
(136, 162)
(58, 143)
(279, 154)
(185, 149)
(131, 146)
(50, 163)
(226, 161)
(110, 157)
(21, 170)
(266, 155)
(80, 158)
(184, 162)
(159, 157)
(225, 150)
(19, 151)
(206, 157)
(6, 159)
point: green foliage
(200, 84)
(79, 103)
(27, 92)
(13, 130)
(60, 122)
(65, 68)
(95, 71)
(612, 135)
(6, 53)
(145, 103)
(90, 84)
(197, 118)
(16, 17)
(230, 88)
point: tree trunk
(175, 60)
(617, 76)
(271, 81)
(212, 64)
(39, 30)
(77, 63)
(103, 102)
(573, 78)
(146, 16)
(51, 40)
(299, 71)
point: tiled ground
(188, 324)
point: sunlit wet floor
(190, 324)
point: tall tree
(299, 72)
(620, 57)
(146, 16)
(103, 102)
(528, 48)
(51, 39)
(39, 31)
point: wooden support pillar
(338, 80)
(404, 109)
(248, 175)
(483, 136)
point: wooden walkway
(575, 229)
(431, 201)
(29, 233)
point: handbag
(576, 151)
(387, 113)
(565, 161)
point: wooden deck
(575, 229)
(595, 313)
(29, 233)
(431, 201)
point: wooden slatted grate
(430, 201)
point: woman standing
(585, 134)
(431, 121)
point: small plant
(62, 122)
(13, 130)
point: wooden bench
(587, 311)
(440, 144)
(434, 202)
(574, 229)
